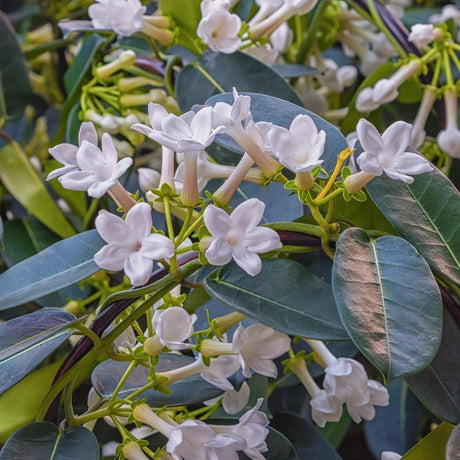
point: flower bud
(153, 346)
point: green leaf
(74, 79)
(44, 440)
(23, 182)
(437, 386)
(427, 214)
(432, 446)
(191, 390)
(70, 26)
(281, 112)
(186, 15)
(308, 442)
(395, 427)
(215, 73)
(284, 295)
(27, 340)
(388, 300)
(295, 70)
(15, 87)
(21, 403)
(62, 264)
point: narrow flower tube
(125, 59)
(132, 451)
(225, 192)
(167, 167)
(418, 131)
(449, 138)
(356, 182)
(144, 414)
(190, 195)
(163, 36)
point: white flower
(252, 427)
(237, 236)
(264, 53)
(122, 16)
(194, 440)
(256, 346)
(421, 35)
(346, 380)
(388, 153)
(282, 38)
(337, 78)
(67, 153)
(191, 132)
(219, 29)
(131, 245)
(220, 369)
(389, 455)
(98, 170)
(173, 326)
(300, 147)
(447, 12)
(148, 179)
(378, 396)
(233, 401)
(325, 408)
(231, 115)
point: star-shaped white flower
(131, 245)
(67, 153)
(191, 132)
(325, 408)
(94, 170)
(300, 147)
(237, 236)
(388, 153)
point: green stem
(329, 197)
(308, 229)
(45, 47)
(378, 21)
(122, 381)
(185, 226)
(169, 225)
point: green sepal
(346, 196)
(290, 185)
(360, 196)
(315, 171)
(346, 171)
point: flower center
(233, 237)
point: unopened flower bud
(356, 182)
(132, 451)
(125, 59)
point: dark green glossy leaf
(27, 340)
(284, 295)
(438, 386)
(215, 73)
(427, 214)
(388, 300)
(308, 442)
(395, 427)
(69, 26)
(432, 446)
(281, 112)
(15, 87)
(44, 440)
(1, 233)
(74, 78)
(191, 390)
(62, 264)
(15, 168)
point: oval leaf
(59, 265)
(438, 386)
(284, 295)
(215, 73)
(281, 113)
(388, 300)
(15, 168)
(26, 341)
(425, 213)
(41, 440)
(191, 390)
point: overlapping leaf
(388, 301)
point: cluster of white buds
(345, 382)
(126, 17)
(361, 38)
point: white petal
(369, 137)
(219, 252)
(87, 133)
(248, 261)
(65, 154)
(397, 137)
(111, 228)
(156, 115)
(112, 256)
(217, 221)
(109, 151)
(139, 220)
(138, 268)
(369, 164)
(78, 180)
(262, 240)
(247, 215)
(157, 247)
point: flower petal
(248, 261)
(139, 220)
(87, 133)
(112, 256)
(262, 240)
(247, 215)
(397, 137)
(369, 137)
(138, 268)
(219, 252)
(157, 247)
(112, 228)
(217, 221)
